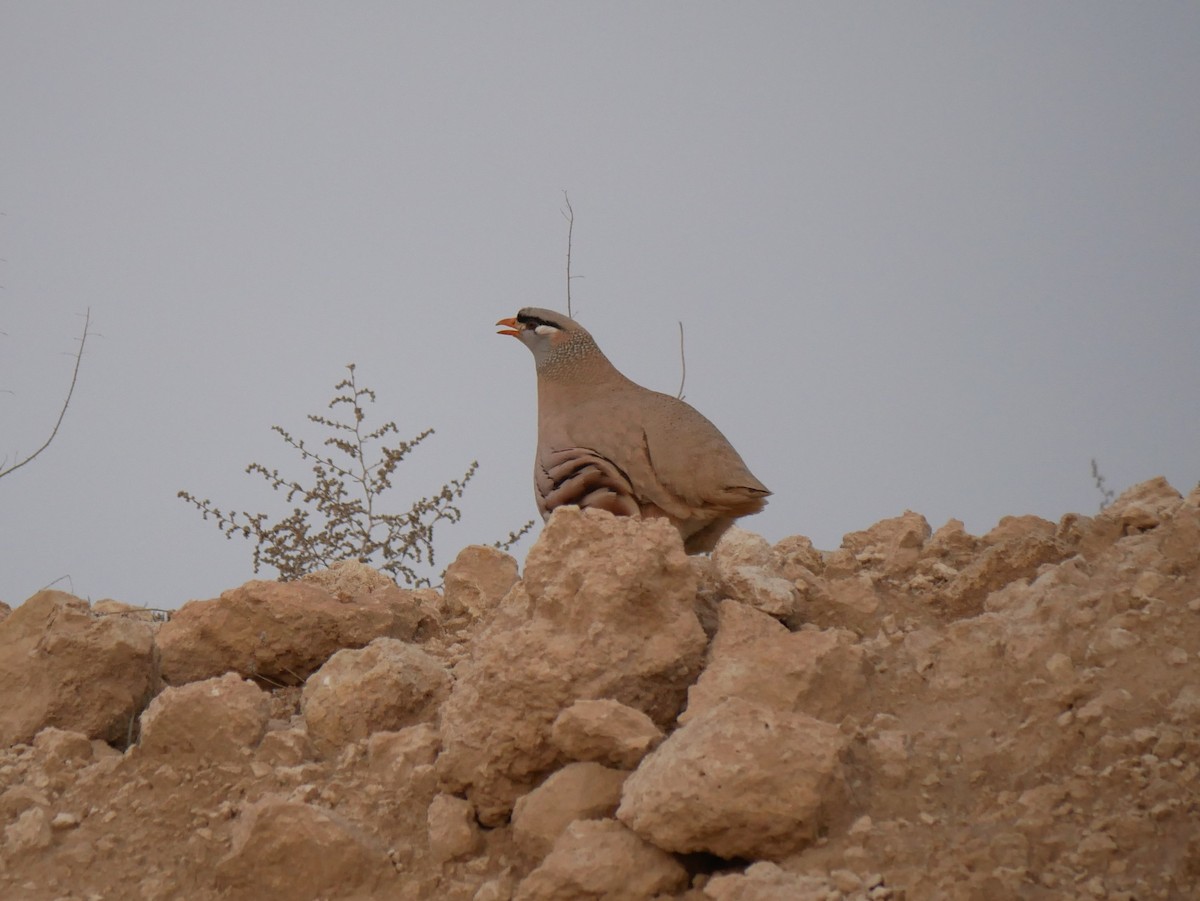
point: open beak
(512, 327)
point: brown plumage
(607, 442)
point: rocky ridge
(920, 714)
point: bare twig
(70, 583)
(134, 610)
(682, 362)
(569, 215)
(66, 403)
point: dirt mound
(916, 715)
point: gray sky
(928, 256)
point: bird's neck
(576, 374)
(577, 362)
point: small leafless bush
(340, 515)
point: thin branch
(66, 403)
(682, 362)
(70, 583)
(569, 215)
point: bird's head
(553, 338)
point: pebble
(64, 821)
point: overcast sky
(929, 256)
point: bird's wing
(695, 462)
(649, 446)
(581, 476)
(601, 441)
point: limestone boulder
(891, 545)
(289, 849)
(740, 547)
(794, 553)
(818, 672)
(1012, 551)
(601, 859)
(402, 762)
(952, 544)
(746, 569)
(1013, 527)
(453, 832)
(215, 718)
(605, 731)
(579, 791)
(850, 600)
(386, 686)
(477, 579)
(1143, 506)
(28, 834)
(286, 747)
(349, 579)
(767, 881)
(60, 750)
(757, 588)
(740, 780)
(63, 665)
(403, 750)
(281, 632)
(605, 610)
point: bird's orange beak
(511, 322)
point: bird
(605, 442)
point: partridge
(606, 442)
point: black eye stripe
(535, 321)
